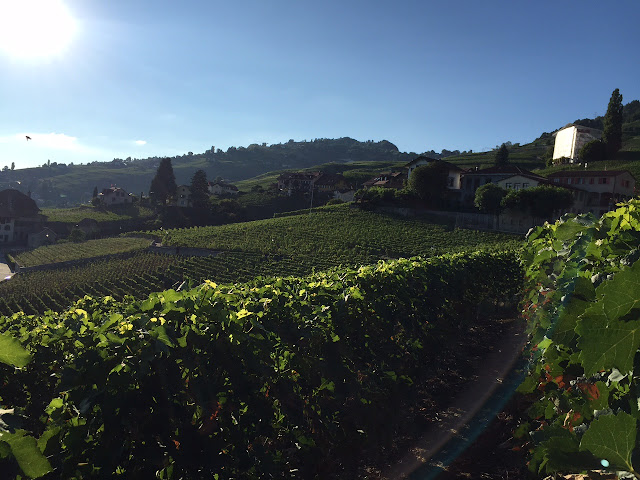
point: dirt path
(5, 271)
(469, 411)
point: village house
(183, 196)
(473, 179)
(570, 139)
(291, 182)
(222, 188)
(603, 188)
(114, 196)
(387, 180)
(20, 220)
(330, 182)
(523, 181)
(454, 175)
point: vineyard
(76, 251)
(296, 245)
(582, 298)
(276, 378)
(338, 234)
(138, 276)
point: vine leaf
(621, 292)
(605, 341)
(612, 438)
(26, 452)
(12, 352)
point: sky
(140, 78)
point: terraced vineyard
(75, 251)
(337, 234)
(138, 276)
(294, 245)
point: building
(114, 196)
(604, 188)
(19, 217)
(330, 182)
(570, 139)
(473, 179)
(297, 182)
(222, 188)
(183, 196)
(387, 180)
(454, 176)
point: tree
(540, 201)
(593, 151)
(163, 184)
(429, 182)
(489, 197)
(13, 166)
(95, 192)
(502, 155)
(612, 134)
(199, 190)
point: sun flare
(35, 28)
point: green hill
(61, 184)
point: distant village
(593, 191)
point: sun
(31, 29)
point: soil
(462, 424)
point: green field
(339, 234)
(294, 245)
(76, 251)
(99, 214)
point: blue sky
(142, 78)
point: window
(556, 180)
(509, 185)
(7, 227)
(591, 183)
(516, 186)
(525, 185)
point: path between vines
(468, 412)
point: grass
(75, 251)
(99, 214)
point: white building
(114, 196)
(570, 139)
(454, 175)
(222, 188)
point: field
(77, 214)
(293, 245)
(281, 378)
(75, 251)
(337, 234)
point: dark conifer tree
(502, 156)
(199, 190)
(612, 134)
(163, 184)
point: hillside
(60, 184)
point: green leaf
(605, 346)
(160, 333)
(12, 352)
(612, 438)
(26, 452)
(606, 341)
(621, 293)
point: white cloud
(140, 142)
(57, 141)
